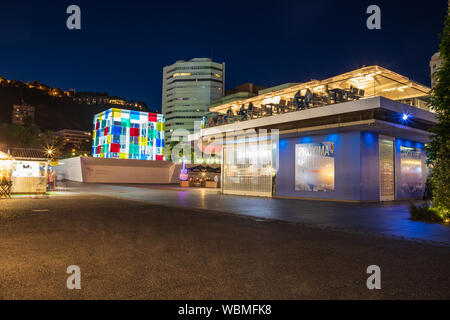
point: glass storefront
(247, 169)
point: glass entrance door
(387, 169)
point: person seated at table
(242, 113)
(229, 115)
(308, 98)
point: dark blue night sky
(123, 45)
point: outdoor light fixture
(50, 151)
(405, 117)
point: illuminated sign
(29, 169)
(314, 167)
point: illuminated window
(181, 74)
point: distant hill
(55, 109)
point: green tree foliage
(27, 136)
(438, 150)
(20, 136)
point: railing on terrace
(298, 103)
(362, 83)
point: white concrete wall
(69, 169)
(100, 170)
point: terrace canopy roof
(372, 80)
(4, 156)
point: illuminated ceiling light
(272, 100)
(405, 117)
(319, 88)
(390, 89)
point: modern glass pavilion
(358, 84)
(358, 136)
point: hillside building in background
(128, 134)
(104, 99)
(188, 89)
(73, 137)
(22, 112)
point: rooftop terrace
(354, 85)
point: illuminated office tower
(189, 87)
(128, 134)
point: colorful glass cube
(128, 134)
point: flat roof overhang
(373, 125)
(376, 114)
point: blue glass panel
(134, 116)
(116, 130)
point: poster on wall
(28, 169)
(411, 169)
(314, 167)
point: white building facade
(188, 89)
(435, 64)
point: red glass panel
(134, 132)
(115, 147)
(152, 117)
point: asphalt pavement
(136, 250)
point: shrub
(426, 213)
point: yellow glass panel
(116, 113)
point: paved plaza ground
(387, 219)
(129, 249)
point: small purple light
(184, 176)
